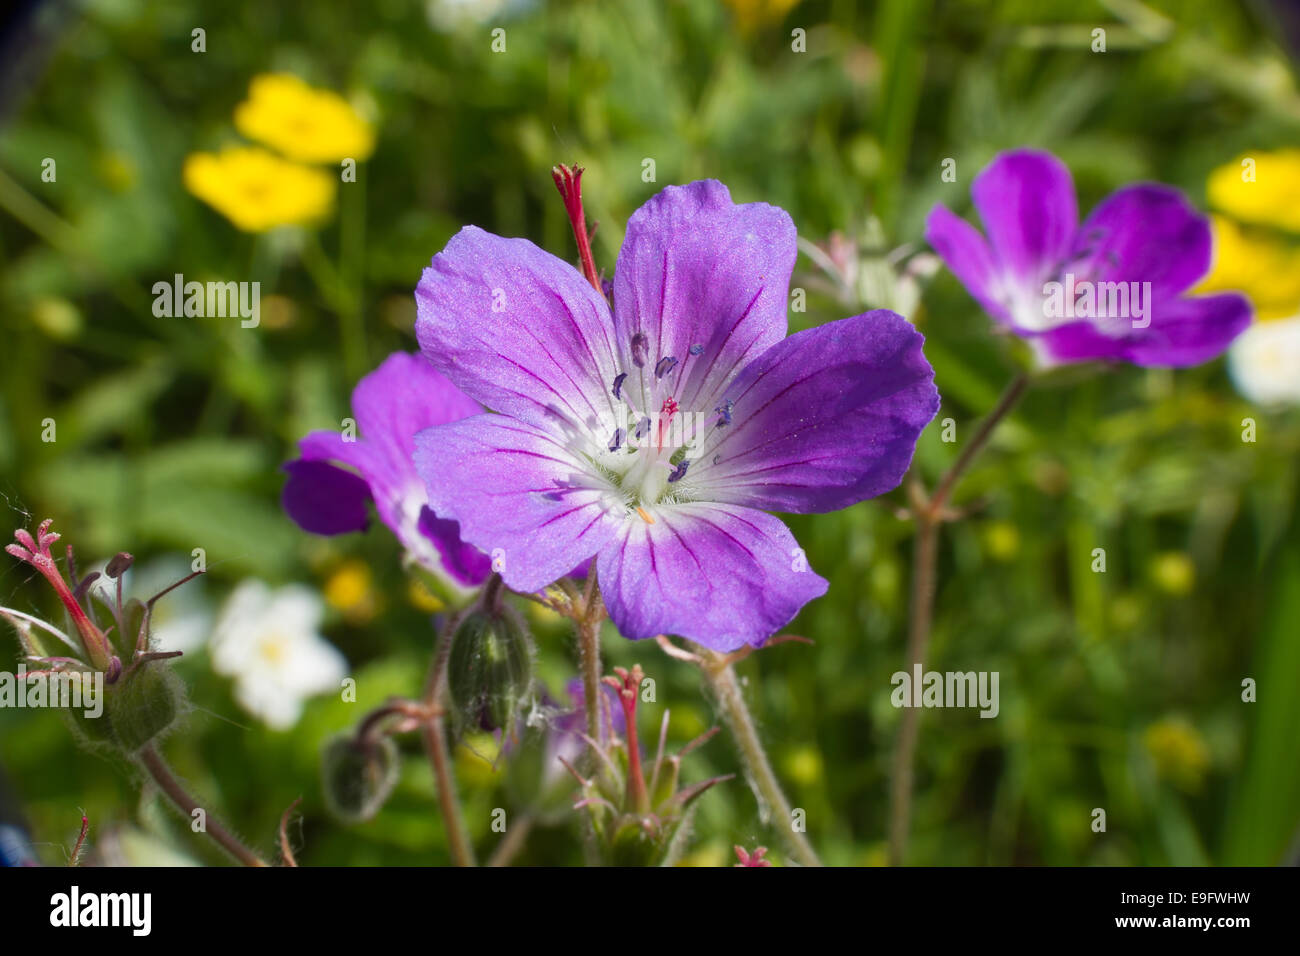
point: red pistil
(37, 553)
(628, 685)
(666, 413)
(568, 180)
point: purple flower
(656, 438)
(401, 397)
(1108, 289)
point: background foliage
(1118, 690)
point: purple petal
(465, 563)
(696, 269)
(323, 499)
(1026, 201)
(968, 255)
(403, 396)
(517, 329)
(1183, 332)
(519, 495)
(721, 575)
(823, 419)
(1144, 233)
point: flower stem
(435, 745)
(162, 775)
(588, 627)
(721, 678)
(930, 515)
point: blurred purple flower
(656, 438)
(391, 404)
(1119, 276)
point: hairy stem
(153, 764)
(930, 515)
(721, 678)
(588, 626)
(434, 732)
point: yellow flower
(257, 190)
(1260, 264)
(1260, 187)
(349, 590)
(306, 124)
(1179, 752)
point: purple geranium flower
(656, 438)
(1108, 289)
(400, 398)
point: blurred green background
(1119, 690)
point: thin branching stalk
(930, 514)
(154, 765)
(434, 732)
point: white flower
(268, 641)
(1265, 361)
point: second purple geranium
(1111, 288)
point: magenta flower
(400, 398)
(1108, 289)
(656, 438)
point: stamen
(619, 379)
(642, 427)
(644, 515)
(616, 442)
(696, 349)
(640, 349)
(725, 410)
(679, 472)
(664, 366)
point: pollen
(645, 515)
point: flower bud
(357, 775)
(144, 705)
(490, 672)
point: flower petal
(323, 499)
(822, 420)
(465, 563)
(968, 255)
(721, 575)
(403, 396)
(1144, 233)
(1185, 331)
(1026, 200)
(696, 269)
(536, 508)
(517, 329)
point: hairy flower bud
(490, 673)
(144, 705)
(357, 775)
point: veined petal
(1144, 233)
(822, 420)
(537, 509)
(1184, 331)
(698, 270)
(517, 329)
(968, 255)
(1026, 200)
(722, 575)
(403, 396)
